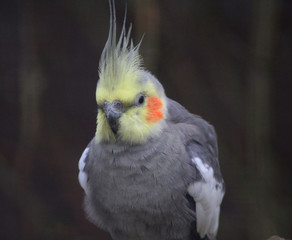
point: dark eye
(141, 99)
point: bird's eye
(141, 99)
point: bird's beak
(113, 112)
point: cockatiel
(151, 172)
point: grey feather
(139, 191)
(160, 189)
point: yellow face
(143, 111)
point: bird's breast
(129, 182)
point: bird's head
(131, 101)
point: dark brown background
(228, 61)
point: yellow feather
(120, 75)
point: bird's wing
(208, 188)
(83, 162)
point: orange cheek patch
(154, 111)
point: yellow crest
(120, 61)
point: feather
(119, 60)
(82, 176)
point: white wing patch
(208, 194)
(82, 176)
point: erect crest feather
(119, 60)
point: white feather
(208, 199)
(82, 176)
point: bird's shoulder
(199, 134)
(206, 191)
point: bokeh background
(228, 61)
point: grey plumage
(139, 191)
(163, 183)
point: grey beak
(113, 112)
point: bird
(151, 171)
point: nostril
(117, 105)
(105, 106)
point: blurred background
(228, 61)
